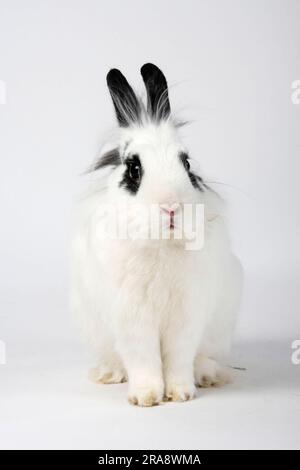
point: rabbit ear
(127, 106)
(158, 105)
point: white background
(230, 66)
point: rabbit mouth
(172, 225)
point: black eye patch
(196, 180)
(132, 175)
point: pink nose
(169, 208)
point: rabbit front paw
(150, 394)
(179, 391)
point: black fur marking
(110, 158)
(128, 182)
(196, 180)
(127, 106)
(158, 105)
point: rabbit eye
(186, 164)
(133, 174)
(185, 161)
(194, 179)
(134, 171)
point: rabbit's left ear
(127, 106)
(158, 105)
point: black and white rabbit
(156, 313)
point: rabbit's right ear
(127, 106)
(158, 104)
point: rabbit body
(155, 313)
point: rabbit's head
(151, 167)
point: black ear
(158, 105)
(127, 106)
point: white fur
(154, 312)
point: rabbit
(156, 313)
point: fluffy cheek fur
(141, 213)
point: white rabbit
(155, 312)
